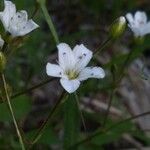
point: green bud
(118, 27)
(2, 62)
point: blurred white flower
(1, 42)
(72, 67)
(16, 23)
(138, 23)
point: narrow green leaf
(71, 121)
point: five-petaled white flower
(138, 23)
(1, 42)
(16, 23)
(72, 66)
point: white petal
(82, 56)
(1, 42)
(130, 19)
(54, 70)
(8, 13)
(91, 72)
(70, 85)
(140, 17)
(66, 57)
(26, 28)
(17, 22)
(146, 29)
(136, 31)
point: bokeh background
(87, 22)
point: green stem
(50, 22)
(108, 108)
(33, 88)
(126, 62)
(12, 113)
(107, 130)
(78, 104)
(45, 123)
(102, 46)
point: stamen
(64, 53)
(84, 54)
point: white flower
(72, 67)
(1, 42)
(16, 23)
(138, 23)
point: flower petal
(17, 22)
(54, 70)
(146, 29)
(8, 13)
(70, 85)
(66, 57)
(28, 27)
(130, 19)
(82, 56)
(140, 17)
(91, 72)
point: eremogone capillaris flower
(138, 23)
(16, 23)
(72, 68)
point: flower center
(72, 74)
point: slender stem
(36, 9)
(108, 129)
(108, 108)
(33, 88)
(78, 104)
(124, 65)
(102, 46)
(50, 22)
(12, 113)
(44, 125)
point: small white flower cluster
(16, 23)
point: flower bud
(118, 27)
(2, 62)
